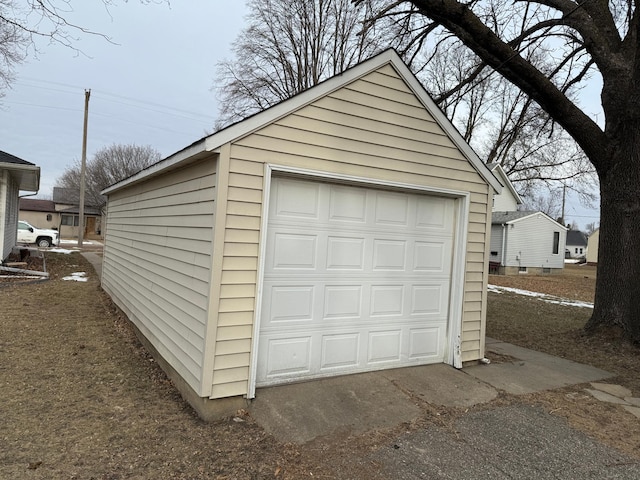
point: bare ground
(82, 399)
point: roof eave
(28, 176)
(196, 149)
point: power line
(130, 101)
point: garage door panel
(391, 209)
(387, 300)
(340, 351)
(434, 213)
(384, 346)
(288, 356)
(342, 301)
(290, 304)
(425, 343)
(294, 199)
(345, 253)
(292, 251)
(347, 204)
(432, 256)
(355, 279)
(389, 254)
(428, 300)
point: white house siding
(8, 213)
(373, 128)
(505, 201)
(496, 242)
(157, 263)
(530, 243)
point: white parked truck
(27, 233)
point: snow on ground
(77, 277)
(61, 250)
(542, 296)
(75, 242)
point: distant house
(526, 242)
(15, 175)
(39, 213)
(592, 247)
(68, 206)
(508, 200)
(576, 244)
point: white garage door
(355, 279)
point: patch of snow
(75, 242)
(571, 260)
(61, 250)
(499, 289)
(541, 296)
(77, 277)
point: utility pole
(87, 94)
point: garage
(356, 279)
(343, 230)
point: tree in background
(501, 122)
(24, 23)
(108, 165)
(547, 49)
(289, 46)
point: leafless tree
(291, 45)
(109, 165)
(549, 203)
(502, 123)
(26, 24)
(589, 228)
(548, 49)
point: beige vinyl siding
(157, 261)
(374, 128)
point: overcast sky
(151, 86)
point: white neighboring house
(526, 242)
(576, 244)
(15, 175)
(508, 199)
(522, 241)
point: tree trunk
(617, 300)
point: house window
(556, 242)
(522, 269)
(576, 250)
(581, 251)
(69, 220)
(49, 217)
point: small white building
(576, 244)
(526, 242)
(15, 175)
(343, 230)
(508, 199)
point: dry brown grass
(558, 330)
(82, 399)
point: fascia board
(29, 175)
(183, 155)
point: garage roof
(25, 173)
(214, 142)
